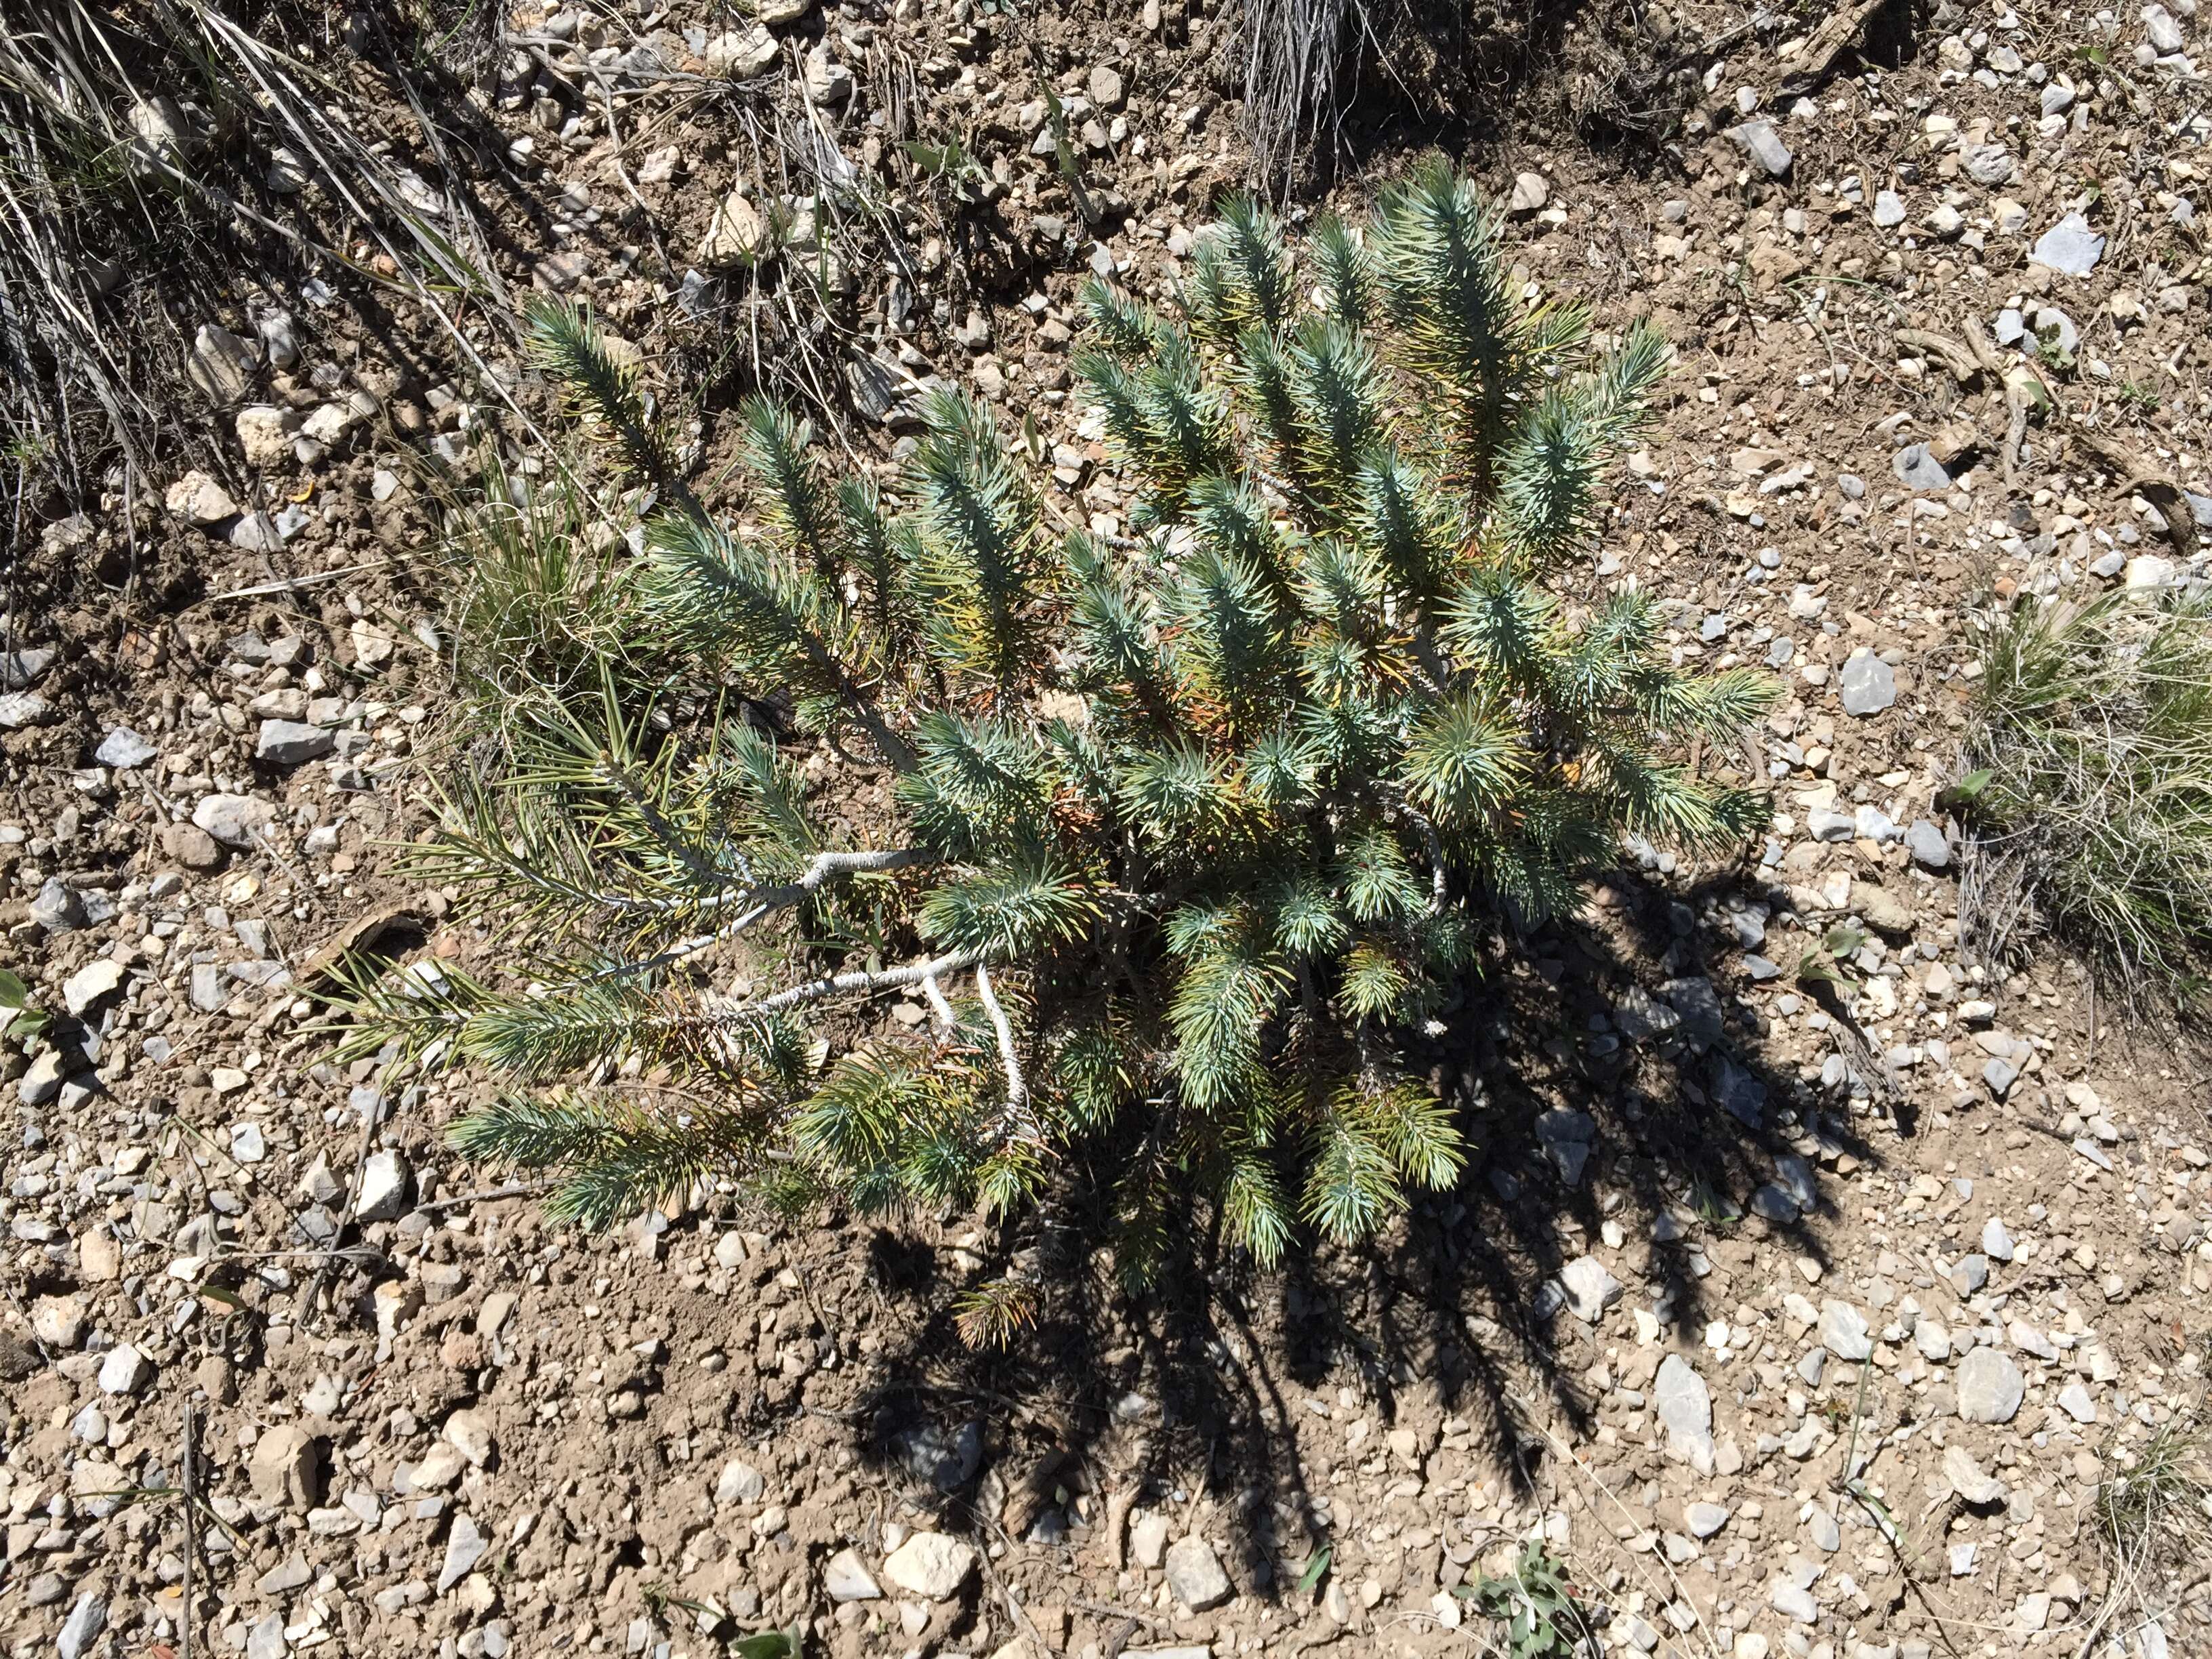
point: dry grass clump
(2154, 1519)
(2088, 791)
(158, 158)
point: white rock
(1996, 1243)
(384, 1182)
(828, 82)
(287, 174)
(464, 1547)
(1531, 190)
(123, 749)
(291, 743)
(743, 55)
(278, 338)
(469, 1432)
(221, 364)
(1867, 684)
(86, 1618)
(1990, 1387)
(1590, 1289)
(740, 1483)
(163, 131)
(1194, 1575)
(1686, 1409)
(92, 984)
(21, 708)
(2069, 247)
(1969, 1479)
(441, 1467)
(2146, 571)
(124, 1371)
(198, 499)
(737, 235)
(264, 433)
(43, 1081)
(1843, 1332)
(266, 1639)
(58, 1320)
(930, 1566)
(1990, 164)
(328, 424)
(1764, 145)
(372, 646)
(234, 820)
(1148, 1539)
(286, 1468)
(846, 1579)
(2074, 1400)
(1703, 1520)
(1793, 1602)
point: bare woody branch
(767, 900)
(890, 978)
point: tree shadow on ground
(1600, 1127)
(1621, 76)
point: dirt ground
(1796, 1324)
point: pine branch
(1243, 273)
(1351, 1189)
(1435, 250)
(1465, 761)
(1030, 905)
(567, 344)
(616, 1158)
(979, 565)
(992, 1314)
(792, 499)
(1346, 275)
(778, 622)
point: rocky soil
(1798, 1319)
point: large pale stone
(930, 1566)
(1194, 1574)
(1990, 1387)
(1590, 1289)
(1687, 1410)
(286, 1468)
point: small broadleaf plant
(1192, 818)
